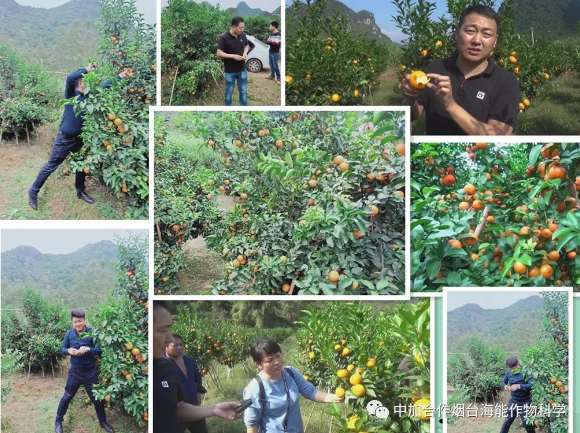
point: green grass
(260, 92)
(315, 416)
(554, 113)
(19, 166)
(32, 403)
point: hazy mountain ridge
(511, 328)
(74, 277)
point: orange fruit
(469, 189)
(339, 392)
(534, 272)
(355, 379)
(333, 276)
(338, 159)
(454, 243)
(547, 271)
(358, 390)
(342, 373)
(554, 256)
(520, 268)
(418, 80)
(481, 146)
(556, 172)
(463, 205)
(400, 148)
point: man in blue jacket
(189, 377)
(520, 384)
(83, 370)
(68, 139)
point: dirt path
(260, 92)
(19, 166)
(485, 424)
(32, 403)
(204, 267)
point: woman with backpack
(275, 393)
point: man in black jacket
(520, 385)
(68, 139)
(83, 370)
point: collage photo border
(438, 301)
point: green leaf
(535, 152)
(433, 267)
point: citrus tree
(549, 367)
(478, 372)
(327, 64)
(121, 328)
(116, 127)
(319, 201)
(363, 354)
(534, 63)
(214, 343)
(484, 214)
(28, 95)
(36, 332)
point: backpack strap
(290, 372)
(262, 400)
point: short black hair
(157, 305)
(274, 24)
(480, 9)
(78, 80)
(236, 21)
(176, 337)
(263, 345)
(77, 313)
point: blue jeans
(60, 150)
(242, 78)
(73, 382)
(274, 68)
(511, 416)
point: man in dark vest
(190, 377)
(68, 139)
(83, 370)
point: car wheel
(254, 65)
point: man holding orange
(520, 385)
(83, 370)
(467, 94)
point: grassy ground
(486, 424)
(552, 114)
(260, 92)
(204, 267)
(314, 415)
(32, 403)
(19, 166)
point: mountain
(512, 328)
(243, 10)
(361, 23)
(75, 278)
(557, 21)
(56, 36)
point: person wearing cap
(275, 393)
(468, 94)
(190, 378)
(520, 385)
(68, 139)
(83, 370)
(170, 411)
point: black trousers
(61, 149)
(73, 382)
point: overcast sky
(265, 5)
(487, 299)
(146, 7)
(55, 241)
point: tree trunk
(27, 135)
